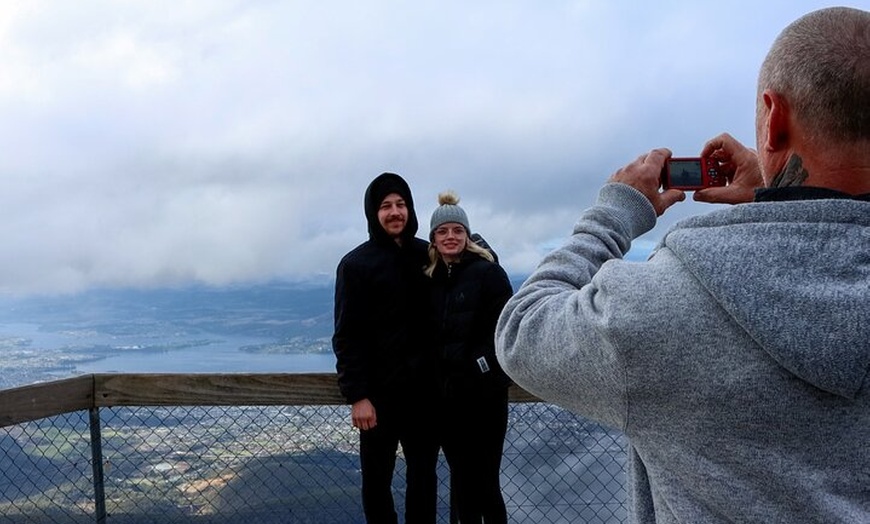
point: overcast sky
(149, 143)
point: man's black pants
(378, 446)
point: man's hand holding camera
(727, 172)
(740, 166)
(644, 174)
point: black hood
(383, 185)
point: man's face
(393, 214)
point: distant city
(275, 327)
(270, 327)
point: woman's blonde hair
(470, 246)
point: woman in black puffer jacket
(469, 291)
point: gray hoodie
(735, 359)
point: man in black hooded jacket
(382, 355)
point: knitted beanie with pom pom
(448, 210)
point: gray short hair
(821, 65)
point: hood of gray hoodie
(796, 277)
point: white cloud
(153, 142)
(138, 66)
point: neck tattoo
(793, 174)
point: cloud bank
(163, 143)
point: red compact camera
(691, 174)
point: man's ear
(778, 121)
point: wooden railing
(37, 401)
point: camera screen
(686, 173)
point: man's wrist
(630, 206)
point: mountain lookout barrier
(265, 448)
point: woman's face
(449, 240)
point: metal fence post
(97, 462)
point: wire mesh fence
(280, 464)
